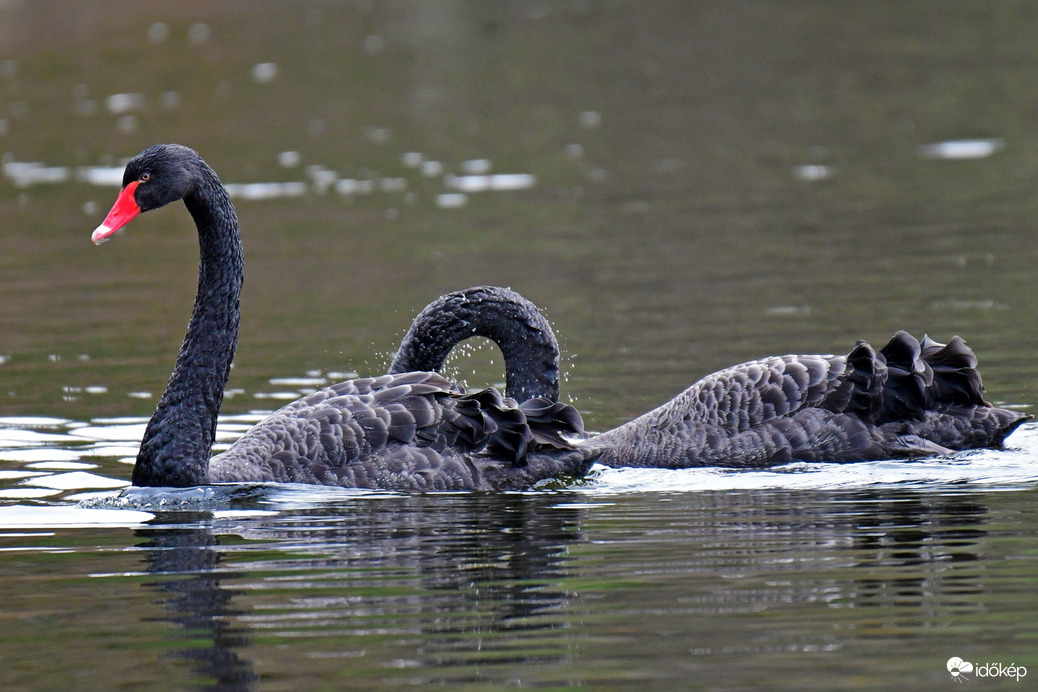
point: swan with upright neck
(409, 431)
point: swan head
(155, 177)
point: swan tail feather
(955, 371)
(552, 423)
(928, 375)
(909, 388)
(936, 390)
(866, 376)
(538, 423)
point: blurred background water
(681, 186)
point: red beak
(123, 211)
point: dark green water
(735, 590)
(711, 183)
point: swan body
(409, 431)
(909, 399)
(412, 431)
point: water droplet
(170, 100)
(476, 166)
(813, 172)
(126, 124)
(322, 177)
(962, 149)
(118, 104)
(377, 135)
(392, 184)
(349, 186)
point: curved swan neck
(178, 440)
(524, 336)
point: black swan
(907, 400)
(524, 336)
(411, 431)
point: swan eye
(145, 177)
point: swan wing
(746, 395)
(377, 432)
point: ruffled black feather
(908, 399)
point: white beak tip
(101, 234)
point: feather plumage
(908, 399)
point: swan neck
(178, 440)
(525, 337)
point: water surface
(681, 186)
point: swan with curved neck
(909, 399)
(413, 431)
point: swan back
(908, 399)
(411, 431)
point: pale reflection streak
(475, 178)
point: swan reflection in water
(471, 588)
(468, 576)
(186, 552)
